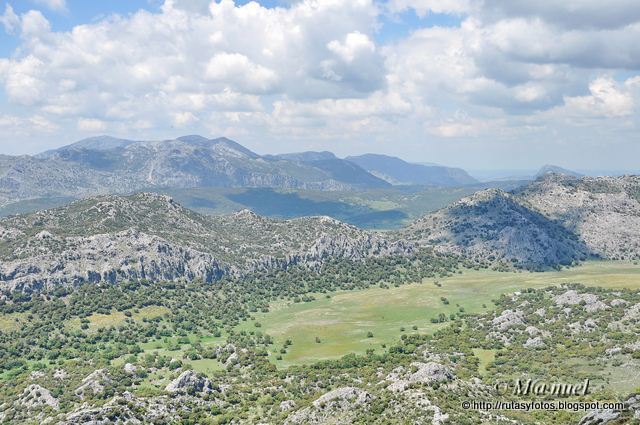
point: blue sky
(484, 85)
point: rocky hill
(604, 212)
(494, 225)
(148, 236)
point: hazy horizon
(479, 173)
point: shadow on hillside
(288, 205)
(516, 233)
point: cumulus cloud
(144, 66)
(606, 99)
(235, 70)
(313, 69)
(424, 7)
(567, 14)
(91, 125)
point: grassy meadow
(354, 321)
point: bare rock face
(109, 414)
(425, 373)
(287, 405)
(130, 369)
(508, 319)
(536, 342)
(35, 396)
(189, 382)
(431, 372)
(94, 383)
(60, 374)
(331, 408)
(571, 297)
(342, 398)
(609, 416)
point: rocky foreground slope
(554, 221)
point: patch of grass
(116, 318)
(343, 321)
(11, 322)
(485, 357)
(205, 366)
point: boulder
(508, 319)
(189, 382)
(35, 396)
(94, 382)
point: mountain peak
(96, 143)
(554, 169)
(192, 138)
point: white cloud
(355, 44)
(9, 20)
(57, 5)
(34, 24)
(91, 125)
(606, 99)
(424, 7)
(585, 14)
(182, 119)
(13, 125)
(23, 80)
(316, 70)
(149, 67)
(236, 71)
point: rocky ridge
(147, 236)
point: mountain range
(553, 221)
(107, 165)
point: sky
(481, 84)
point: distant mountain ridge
(340, 169)
(398, 171)
(107, 165)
